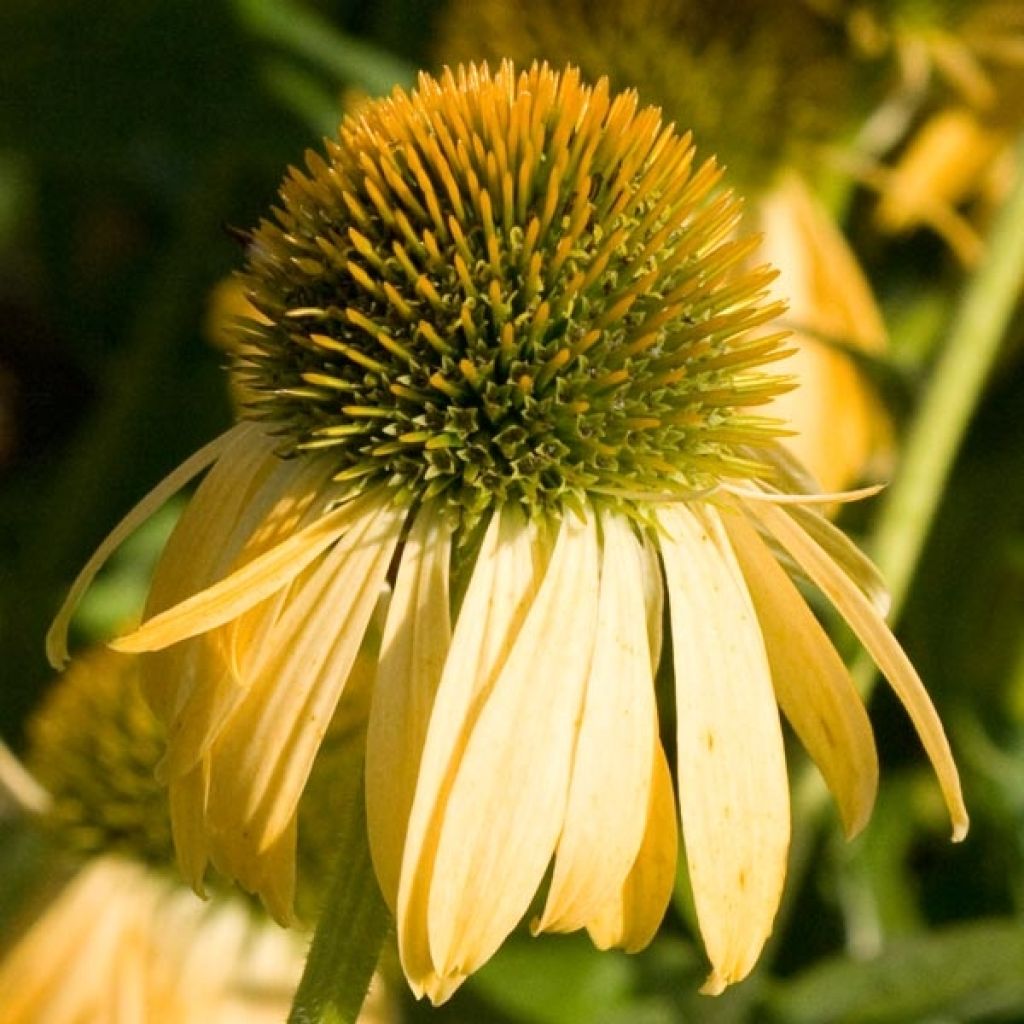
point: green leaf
(965, 972)
(555, 980)
(304, 33)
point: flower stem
(349, 935)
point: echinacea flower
(121, 939)
(122, 943)
(772, 92)
(506, 405)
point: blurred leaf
(352, 61)
(558, 981)
(966, 972)
(115, 600)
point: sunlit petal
(733, 790)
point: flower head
(517, 369)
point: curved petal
(417, 635)
(248, 585)
(811, 682)
(733, 789)
(872, 631)
(57, 635)
(654, 598)
(500, 591)
(518, 758)
(188, 794)
(611, 772)
(260, 762)
(235, 496)
(631, 920)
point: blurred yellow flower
(959, 92)
(121, 943)
(517, 373)
(122, 940)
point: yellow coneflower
(514, 373)
(122, 940)
(121, 943)
(770, 91)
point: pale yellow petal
(654, 598)
(245, 587)
(188, 795)
(611, 772)
(733, 789)
(262, 759)
(811, 682)
(876, 636)
(861, 570)
(498, 597)
(417, 634)
(631, 920)
(507, 803)
(205, 540)
(198, 683)
(57, 635)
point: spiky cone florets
(511, 288)
(585, 284)
(93, 746)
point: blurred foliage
(131, 134)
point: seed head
(510, 288)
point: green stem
(349, 935)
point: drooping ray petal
(857, 566)
(57, 635)
(496, 602)
(611, 771)
(248, 585)
(213, 668)
(876, 636)
(811, 682)
(803, 497)
(188, 795)
(631, 920)
(199, 550)
(417, 634)
(654, 599)
(733, 790)
(264, 754)
(507, 803)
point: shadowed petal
(612, 765)
(417, 634)
(811, 682)
(876, 636)
(631, 920)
